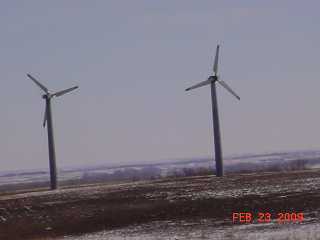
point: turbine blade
(226, 86)
(38, 83)
(45, 116)
(206, 82)
(60, 93)
(216, 59)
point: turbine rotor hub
(47, 96)
(213, 78)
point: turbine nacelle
(47, 96)
(213, 78)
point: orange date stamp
(266, 217)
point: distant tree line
(152, 173)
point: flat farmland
(173, 207)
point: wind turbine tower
(212, 80)
(48, 120)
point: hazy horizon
(133, 60)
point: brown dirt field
(103, 206)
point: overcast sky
(133, 60)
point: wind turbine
(212, 80)
(48, 119)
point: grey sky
(133, 60)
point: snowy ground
(178, 208)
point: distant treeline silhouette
(129, 174)
(152, 173)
